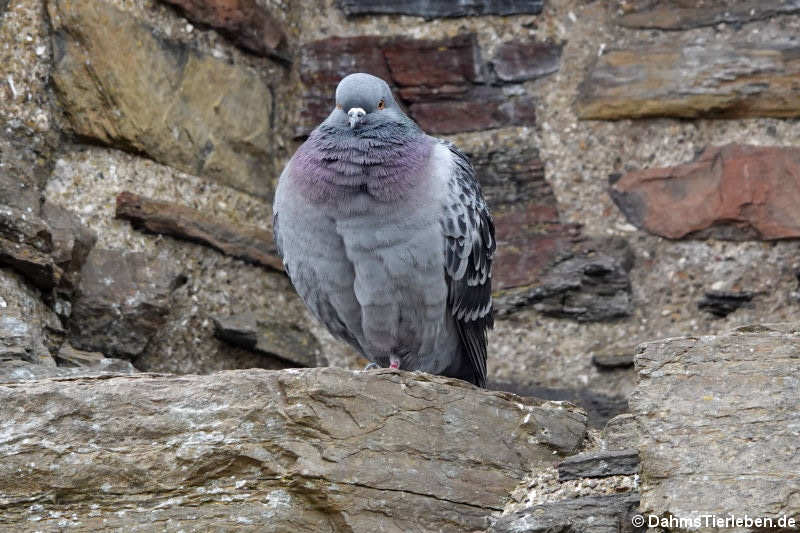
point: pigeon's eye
(381, 104)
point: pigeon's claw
(394, 364)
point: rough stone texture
(305, 450)
(440, 8)
(17, 370)
(25, 245)
(284, 341)
(516, 61)
(69, 357)
(122, 300)
(91, 178)
(122, 85)
(730, 192)
(677, 15)
(621, 432)
(723, 303)
(593, 514)
(721, 80)
(249, 243)
(27, 138)
(29, 330)
(614, 357)
(72, 240)
(589, 283)
(599, 407)
(599, 464)
(244, 22)
(20, 226)
(724, 408)
(440, 80)
(24, 166)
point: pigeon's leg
(394, 361)
(371, 366)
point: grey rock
(614, 357)
(72, 240)
(18, 371)
(72, 358)
(28, 328)
(599, 464)
(593, 514)
(590, 283)
(121, 302)
(37, 266)
(724, 408)
(440, 8)
(25, 164)
(723, 303)
(621, 432)
(24, 227)
(600, 408)
(25, 245)
(284, 341)
(302, 450)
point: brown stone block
(249, 243)
(725, 80)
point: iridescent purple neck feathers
(386, 162)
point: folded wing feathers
(469, 250)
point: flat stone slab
(592, 514)
(719, 418)
(303, 450)
(599, 464)
(440, 8)
(249, 243)
(672, 15)
(722, 80)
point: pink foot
(394, 364)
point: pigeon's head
(364, 100)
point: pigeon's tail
(462, 368)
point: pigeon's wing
(469, 250)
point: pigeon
(385, 235)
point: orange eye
(381, 104)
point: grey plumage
(386, 237)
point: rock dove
(386, 237)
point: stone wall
(642, 174)
(640, 159)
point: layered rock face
(724, 408)
(303, 450)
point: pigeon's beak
(355, 115)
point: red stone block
(244, 22)
(735, 192)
